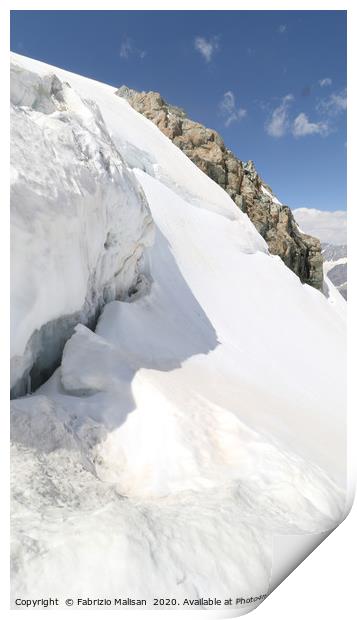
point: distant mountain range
(335, 265)
(331, 228)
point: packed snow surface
(205, 413)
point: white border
(323, 586)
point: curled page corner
(290, 550)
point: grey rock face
(205, 147)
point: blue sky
(273, 83)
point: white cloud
(325, 82)
(334, 104)
(228, 109)
(303, 127)
(206, 47)
(328, 226)
(128, 48)
(282, 28)
(278, 122)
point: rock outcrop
(205, 147)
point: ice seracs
(80, 221)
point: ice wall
(80, 221)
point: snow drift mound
(80, 222)
(206, 412)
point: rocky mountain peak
(206, 148)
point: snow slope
(206, 412)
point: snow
(329, 264)
(271, 196)
(80, 222)
(335, 279)
(205, 413)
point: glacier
(78, 217)
(179, 392)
